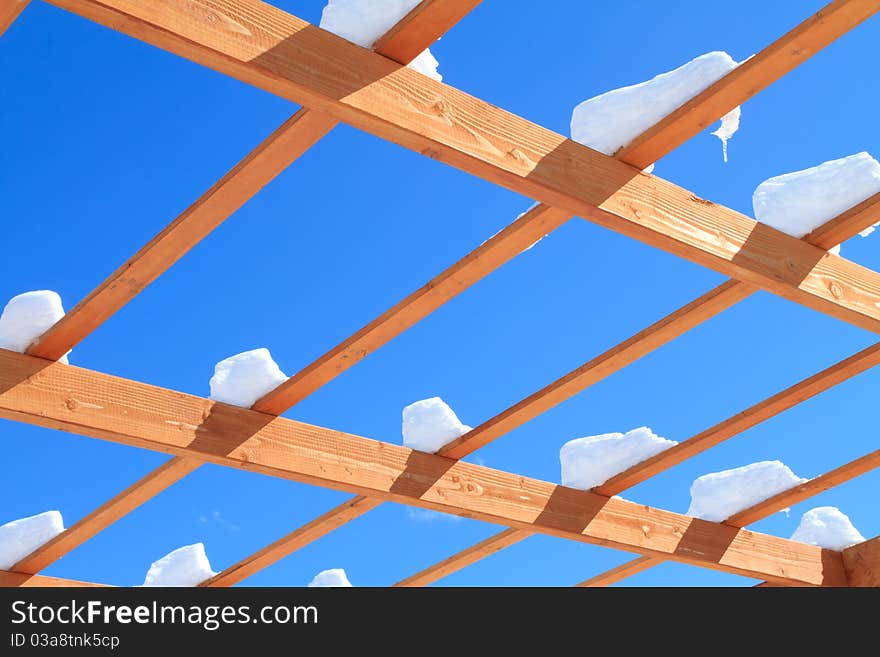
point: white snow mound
(364, 21)
(429, 424)
(591, 461)
(335, 577)
(21, 537)
(185, 566)
(827, 527)
(611, 120)
(718, 495)
(242, 379)
(26, 317)
(798, 202)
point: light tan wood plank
(750, 77)
(10, 579)
(862, 563)
(9, 11)
(128, 412)
(464, 558)
(266, 47)
(480, 262)
(312, 531)
(131, 498)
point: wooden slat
(698, 311)
(465, 558)
(756, 512)
(480, 262)
(427, 22)
(108, 513)
(282, 54)
(862, 563)
(614, 575)
(344, 513)
(421, 27)
(750, 77)
(9, 11)
(101, 406)
(9, 579)
(261, 166)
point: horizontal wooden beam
(862, 562)
(10, 579)
(9, 11)
(108, 513)
(264, 46)
(101, 406)
(750, 77)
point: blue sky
(106, 140)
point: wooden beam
(480, 262)
(862, 563)
(756, 512)
(9, 11)
(264, 46)
(344, 513)
(108, 513)
(465, 558)
(421, 27)
(101, 406)
(9, 579)
(261, 166)
(750, 77)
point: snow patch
(827, 527)
(242, 379)
(591, 461)
(718, 495)
(364, 21)
(185, 566)
(798, 202)
(26, 317)
(334, 577)
(429, 424)
(611, 120)
(21, 537)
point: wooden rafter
(287, 56)
(417, 30)
(10, 579)
(9, 11)
(89, 403)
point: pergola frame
(336, 81)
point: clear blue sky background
(106, 140)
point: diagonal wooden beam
(750, 77)
(724, 296)
(105, 515)
(754, 513)
(9, 11)
(282, 54)
(111, 408)
(416, 31)
(10, 579)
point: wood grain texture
(428, 21)
(9, 11)
(750, 77)
(308, 533)
(9, 579)
(480, 262)
(154, 483)
(621, 572)
(464, 558)
(264, 46)
(862, 563)
(101, 406)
